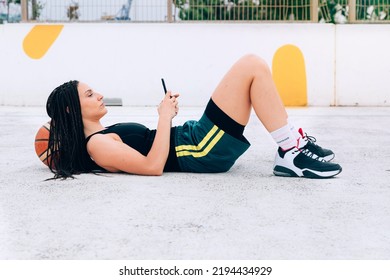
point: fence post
(314, 11)
(24, 7)
(169, 10)
(352, 11)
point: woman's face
(92, 106)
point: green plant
(37, 8)
(242, 10)
(334, 11)
(72, 11)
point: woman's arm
(116, 156)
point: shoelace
(306, 152)
(312, 139)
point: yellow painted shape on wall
(289, 74)
(39, 40)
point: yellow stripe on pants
(201, 144)
(206, 150)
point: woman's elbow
(159, 173)
(155, 170)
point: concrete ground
(246, 213)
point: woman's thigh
(232, 94)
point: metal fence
(336, 11)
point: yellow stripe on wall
(39, 40)
(289, 74)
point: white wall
(363, 65)
(128, 60)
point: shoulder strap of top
(98, 132)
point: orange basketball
(41, 143)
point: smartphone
(163, 84)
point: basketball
(41, 143)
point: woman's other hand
(169, 106)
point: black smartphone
(165, 88)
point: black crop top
(141, 138)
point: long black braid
(67, 141)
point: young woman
(80, 143)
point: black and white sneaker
(303, 163)
(308, 142)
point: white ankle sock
(284, 137)
(295, 131)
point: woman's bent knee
(253, 58)
(253, 61)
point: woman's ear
(67, 109)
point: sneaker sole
(285, 172)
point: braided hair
(67, 140)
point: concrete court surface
(246, 213)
